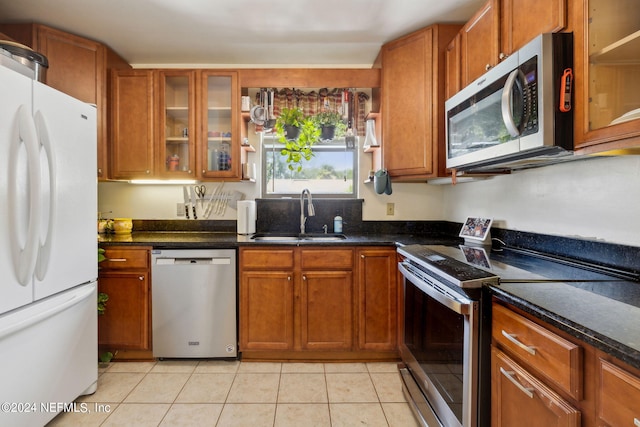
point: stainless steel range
(446, 333)
(441, 347)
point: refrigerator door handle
(48, 210)
(76, 298)
(24, 245)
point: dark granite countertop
(605, 315)
(207, 239)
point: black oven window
(435, 336)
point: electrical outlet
(180, 209)
(391, 209)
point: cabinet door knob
(204, 171)
(289, 278)
(502, 56)
(304, 277)
(147, 172)
(362, 256)
(141, 278)
(487, 67)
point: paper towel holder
(246, 223)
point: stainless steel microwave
(518, 114)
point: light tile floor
(223, 393)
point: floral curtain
(314, 102)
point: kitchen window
(331, 172)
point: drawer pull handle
(509, 375)
(116, 259)
(512, 338)
(636, 422)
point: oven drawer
(551, 356)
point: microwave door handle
(507, 111)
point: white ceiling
(241, 33)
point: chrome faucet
(310, 209)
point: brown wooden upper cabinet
(500, 27)
(78, 67)
(176, 124)
(607, 65)
(219, 118)
(413, 103)
(180, 124)
(132, 124)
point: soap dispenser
(337, 223)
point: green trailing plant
(331, 125)
(102, 297)
(296, 151)
(289, 117)
(102, 302)
(328, 118)
(105, 357)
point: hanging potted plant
(330, 124)
(298, 150)
(288, 123)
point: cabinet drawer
(267, 258)
(553, 357)
(125, 258)
(322, 258)
(520, 399)
(619, 396)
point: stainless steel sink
(323, 237)
(320, 237)
(275, 238)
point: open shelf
(623, 51)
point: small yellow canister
(122, 225)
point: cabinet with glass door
(176, 124)
(219, 149)
(607, 110)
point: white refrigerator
(48, 251)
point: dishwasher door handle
(193, 261)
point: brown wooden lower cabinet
(572, 383)
(126, 323)
(326, 310)
(618, 396)
(318, 303)
(377, 288)
(266, 310)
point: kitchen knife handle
(195, 216)
(186, 210)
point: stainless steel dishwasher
(194, 303)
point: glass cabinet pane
(218, 126)
(177, 134)
(614, 62)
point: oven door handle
(458, 305)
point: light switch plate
(391, 209)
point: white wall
(592, 199)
